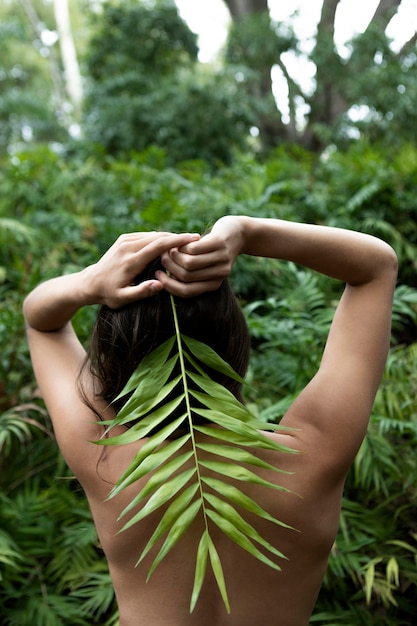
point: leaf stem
(188, 407)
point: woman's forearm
(352, 257)
(52, 304)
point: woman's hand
(52, 304)
(111, 279)
(202, 265)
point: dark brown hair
(121, 338)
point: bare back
(257, 593)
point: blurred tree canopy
(143, 84)
(371, 76)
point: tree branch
(407, 46)
(384, 13)
(293, 91)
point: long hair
(122, 337)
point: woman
(327, 422)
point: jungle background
(110, 123)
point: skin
(329, 418)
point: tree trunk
(56, 77)
(69, 55)
(327, 18)
(272, 130)
(238, 8)
(327, 103)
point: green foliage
(205, 119)
(289, 329)
(60, 210)
(49, 557)
(49, 560)
(367, 90)
(254, 46)
(384, 81)
(128, 35)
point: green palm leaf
(141, 405)
(142, 466)
(172, 513)
(160, 489)
(176, 531)
(228, 512)
(248, 431)
(142, 429)
(218, 571)
(180, 468)
(238, 497)
(242, 540)
(239, 473)
(200, 568)
(237, 439)
(237, 454)
(149, 369)
(209, 357)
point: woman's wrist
(235, 230)
(88, 290)
(53, 303)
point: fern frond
(181, 468)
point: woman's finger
(161, 244)
(189, 268)
(133, 293)
(197, 261)
(186, 290)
